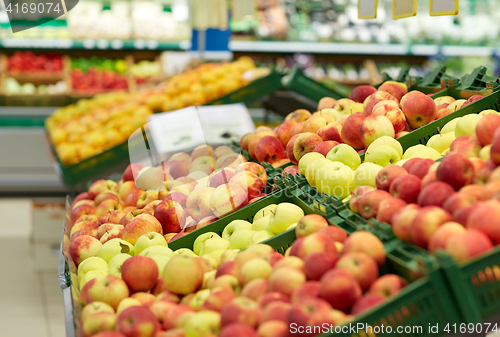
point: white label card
(403, 8)
(443, 7)
(367, 9)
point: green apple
(92, 274)
(114, 247)
(127, 303)
(115, 265)
(285, 214)
(382, 155)
(268, 210)
(336, 179)
(466, 126)
(203, 323)
(208, 279)
(401, 162)
(233, 226)
(292, 226)
(214, 244)
(412, 150)
(488, 112)
(184, 251)
(345, 154)
(307, 159)
(259, 236)
(239, 239)
(427, 153)
(212, 260)
(313, 168)
(386, 140)
(200, 240)
(199, 298)
(91, 263)
(261, 224)
(441, 142)
(161, 261)
(148, 240)
(157, 250)
(445, 152)
(454, 106)
(434, 166)
(450, 126)
(365, 174)
(354, 108)
(218, 253)
(485, 153)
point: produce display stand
(433, 82)
(117, 156)
(474, 84)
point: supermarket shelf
(14, 43)
(357, 48)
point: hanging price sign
(443, 7)
(403, 8)
(367, 9)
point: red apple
(444, 233)
(469, 244)
(284, 132)
(421, 167)
(350, 131)
(388, 207)
(388, 285)
(367, 302)
(386, 176)
(435, 194)
(368, 204)
(137, 321)
(305, 143)
(140, 273)
(325, 147)
(456, 170)
(240, 310)
(331, 131)
(425, 224)
(308, 289)
(365, 242)
(132, 171)
(360, 265)
(171, 216)
(317, 264)
(339, 288)
(361, 92)
(419, 110)
(406, 187)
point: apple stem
(439, 130)
(273, 212)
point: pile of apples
(95, 80)
(358, 121)
(325, 277)
(443, 205)
(241, 234)
(91, 126)
(191, 197)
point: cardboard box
(48, 220)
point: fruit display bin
(281, 194)
(433, 82)
(117, 157)
(252, 92)
(477, 83)
(300, 83)
(425, 301)
(475, 284)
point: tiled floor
(31, 302)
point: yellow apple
(345, 154)
(450, 126)
(268, 210)
(411, 150)
(441, 142)
(91, 263)
(389, 141)
(336, 179)
(365, 174)
(261, 224)
(307, 159)
(382, 155)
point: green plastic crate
(252, 92)
(246, 213)
(471, 85)
(298, 82)
(433, 82)
(475, 284)
(424, 301)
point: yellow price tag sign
(443, 7)
(403, 8)
(367, 9)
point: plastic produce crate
(475, 284)
(424, 301)
(475, 84)
(252, 92)
(284, 194)
(298, 82)
(433, 82)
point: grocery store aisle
(31, 302)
